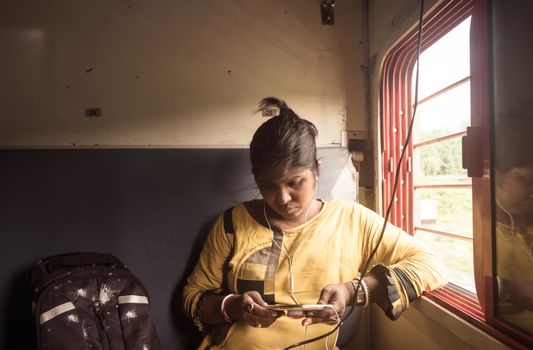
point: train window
(434, 201)
(479, 220)
(442, 191)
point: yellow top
(514, 261)
(330, 248)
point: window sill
(465, 306)
(427, 325)
(466, 332)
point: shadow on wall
(20, 324)
(231, 184)
(192, 337)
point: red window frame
(396, 106)
(396, 113)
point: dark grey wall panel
(152, 208)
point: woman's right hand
(251, 308)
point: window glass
(452, 50)
(440, 163)
(448, 210)
(513, 162)
(456, 255)
(442, 195)
(444, 114)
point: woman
(292, 248)
(514, 220)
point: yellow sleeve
(401, 261)
(208, 274)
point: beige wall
(174, 73)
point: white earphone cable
(508, 214)
(283, 246)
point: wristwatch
(362, 295)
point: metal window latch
(472, 151)
(326, 9)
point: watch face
(360, 298)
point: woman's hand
(251, 308)
(338, 295)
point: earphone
(291, 263)
(508, 214)
(289, 259)
(316, 186)
(529, 250)
(283, 246)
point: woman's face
(288, 193)
(514, 190)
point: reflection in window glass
(513, 162)
(514, 222)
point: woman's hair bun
(268, 102)
(284, 110)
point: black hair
(285, 140)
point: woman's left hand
(339, 295)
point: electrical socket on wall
(93, 112)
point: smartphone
(299, 310)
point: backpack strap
(229, 229)
(219, 332)
(81, 259)
(228, 221)
(69, 260)
(61, 263)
